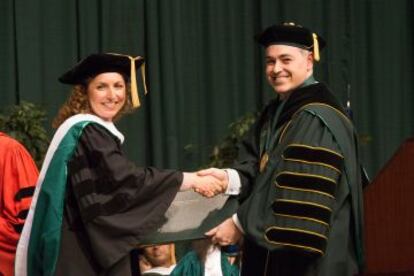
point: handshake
(208, 183)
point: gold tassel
(133, 77)
(143, 78)
(316, 55)
(134, 86)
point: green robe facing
(301, 208)
(190, 264)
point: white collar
(89, 117)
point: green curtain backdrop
(204, 69)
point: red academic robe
(18, 176)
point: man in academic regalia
(18, 175)
(298, 174)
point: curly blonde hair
(78, 103)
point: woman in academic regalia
(92, 205)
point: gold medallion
(263, 161)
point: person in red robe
(18, 176)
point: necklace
(271, 137)
(263, 161)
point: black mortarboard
(293, 35)
(95, 64)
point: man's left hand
(224, 234)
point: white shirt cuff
(234, 186)
(236, 221)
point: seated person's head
(160, 257)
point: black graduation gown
(110, 204)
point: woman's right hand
(208, 183)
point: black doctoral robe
(302, 213)
(110, 203)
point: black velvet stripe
(18, 227)
(99, 186)
(89, 186)
(24, 193)
(314, 155)
(85, 187)
(116, 205)
(23, 214)
(315, 93)
(296, 237)
(306, 182)
(302, 209)
(81, 163)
